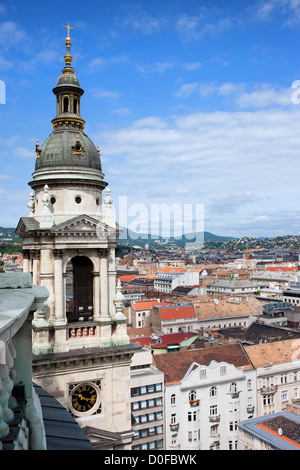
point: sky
(194, 104)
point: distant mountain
(132, 238)
(8, 235)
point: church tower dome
(81, 350)
(68, 161)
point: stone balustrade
(21, 422)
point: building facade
(82, 353)
(147, 403)
(277, 366)
(206, 398)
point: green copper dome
(68, 79)
(68, 148)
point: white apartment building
(167, 282)
(230, 287)
(205, 399)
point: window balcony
(194, 403)
(214, 418)
(268, 390)
(250, 408)
(174, 427)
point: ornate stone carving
(57, 254)
(102, 252)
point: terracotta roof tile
(277, 352)
(175, 365)
(177, 312)
(145, 304)
(221, 309)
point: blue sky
(190, 102)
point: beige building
(277, 367)
(82, 352)
(216, 313)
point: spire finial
(68, 28)
(68, 57)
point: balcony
(250, 408)
(24, 407)
(174, 427)
(214, 418)
(194, 403)
(268, 390)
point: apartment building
(207, 392)
(147, 391)
(167, 282)
(277, 366)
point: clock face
(84, 398)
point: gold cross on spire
(68, 28)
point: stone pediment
(27, 224)
(84, 224)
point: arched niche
(79, 289)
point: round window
(78, 200)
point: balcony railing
(194, 403)
(268, 390)
(174, 427)
(250, 409)
(21, 421)
(214, 418)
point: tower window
(78, 200)
(75, 106)
(66, 105)
(53, 200)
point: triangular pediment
(83, 223)
(27, 224)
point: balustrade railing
(21, 422)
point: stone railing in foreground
(21, 422)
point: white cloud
(141, 21)
(106, 94)
(258, 96)
(193, 27)
(240, 165)
(289, 9)
(23, 152)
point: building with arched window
(82, 352)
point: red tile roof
(145, 304)
(126, 277)
(175, 365)
(177, 312)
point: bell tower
(82, 352)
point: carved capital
(35, 254)
(57, 254)
(25, 254)
(102, 252)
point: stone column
(96, 300)
(60, 317)
(35, 265)
(111, 271)
(104, 312)
(26, 260)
